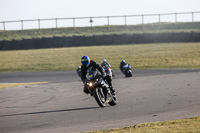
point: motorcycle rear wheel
(114, 100)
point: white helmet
(104, 60)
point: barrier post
(142, 19)
(125, 20)
(91, 21)
(176, 17)
(39, 24)
(74, 23)
(4, 26)
(22, 24)
(108, 20)
(192, 17)
(56, 23)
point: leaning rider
(105, 62)
(86, 64)
(123, 62)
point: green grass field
(101, 30)
(166, 55)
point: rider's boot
(112, 90)
(109, 80)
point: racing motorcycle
(127, 70)
(108, 70)
(99, 89)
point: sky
(41, 9)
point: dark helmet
(123, 61)
(85, 60)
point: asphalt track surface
(61, 106)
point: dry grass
(191, 125)
(166, 55)
(9, 85)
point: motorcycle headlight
(90, 84)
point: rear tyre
(99, 97)
(114, 100)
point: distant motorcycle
(108, 70)
(99, 89)
(127, 70)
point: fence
(100, 21)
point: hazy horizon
(41, 9)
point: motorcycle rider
(106, 63)
(86, 64)
(123, 62)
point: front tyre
(130, 73)
(99, 97)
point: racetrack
(61, 106)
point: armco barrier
(97, 40)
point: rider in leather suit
(86, 64)
(122, 64)
(106, 63)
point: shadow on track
(54, 111)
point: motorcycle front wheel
(99, 97)
(128, 73)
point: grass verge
(191, 125)
(141, 56)
(9, 85)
